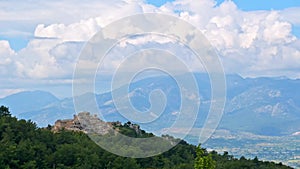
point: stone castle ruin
(68, 124)
(87, 123)
(91, 124)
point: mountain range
(264, 106)
(261, 115)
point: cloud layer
(253, 43)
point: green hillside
(24, 145)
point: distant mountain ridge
(265, 106)
(28, 101)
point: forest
(24, 145)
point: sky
(40, 41)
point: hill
(24, 145)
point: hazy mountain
(28, 101)
(266, 106)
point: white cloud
(6, 58)
(5, 52)
(56, 11)
(276, 30)
(254, 43)
(80, 31)
(54, 51)
(26, 15)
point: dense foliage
(24, 145)
(203, 161)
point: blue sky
(158, 2)
(16, 43)
(249, 5)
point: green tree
(4, 111)
(203, 160)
